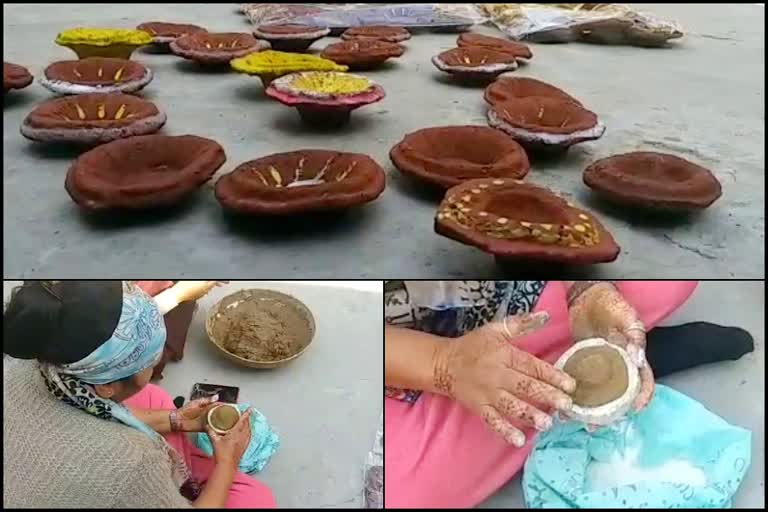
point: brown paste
(224, 417)
(262, 330)
(600, 373)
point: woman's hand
(194, 414)
(230, 447)
(602, 312)
(485, 372)
(193, 290)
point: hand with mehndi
(229, 448)
(194, 414)
(489, 375)
(601, 311)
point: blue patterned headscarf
(135, 345)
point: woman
(83, 428)
(460, 415)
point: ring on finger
(506, 328)
(637, 326)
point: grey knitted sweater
(56, 456)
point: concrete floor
(735, 391)
(325, 406)
(703, 100)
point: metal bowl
(304, 336)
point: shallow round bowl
(216, 315)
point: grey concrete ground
(703, 99)
(735, 391)
(325, 405)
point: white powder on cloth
(624, 469)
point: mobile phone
(227, 394)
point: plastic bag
(466, 11)
(592, 23)
(342, 16)
(373, 493)
(266, 14)
(440, 294)
(673, 454)
(451, 308)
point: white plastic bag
(439, 294)
(592, 23)
(336, 16)
(373, 492)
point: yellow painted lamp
(103, 42)
(325, 99)
(270, 64)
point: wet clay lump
(600, 373)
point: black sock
(671, 349)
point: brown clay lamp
(215, 49)
(509, 88)
(290, 37)
(95, 74)
(654, 181)
(301, 181)
(515, 220)
(15, 77)
(519, 50)
(362, 54)
(92, 119)
(607, 381)
(474, 64)
(545, 124)
(325, 98)
(379, 32)
(163, 34)
(103, 42)
(143, 172)
(449, 155)
(223, 418)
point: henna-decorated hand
(194, 414)
(486, 373)
(229, 448)
(602, 312)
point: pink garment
(246, 492)
(439, 455)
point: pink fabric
(246, 492)
(439, 455)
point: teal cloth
(264, 443)
(673, 426)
